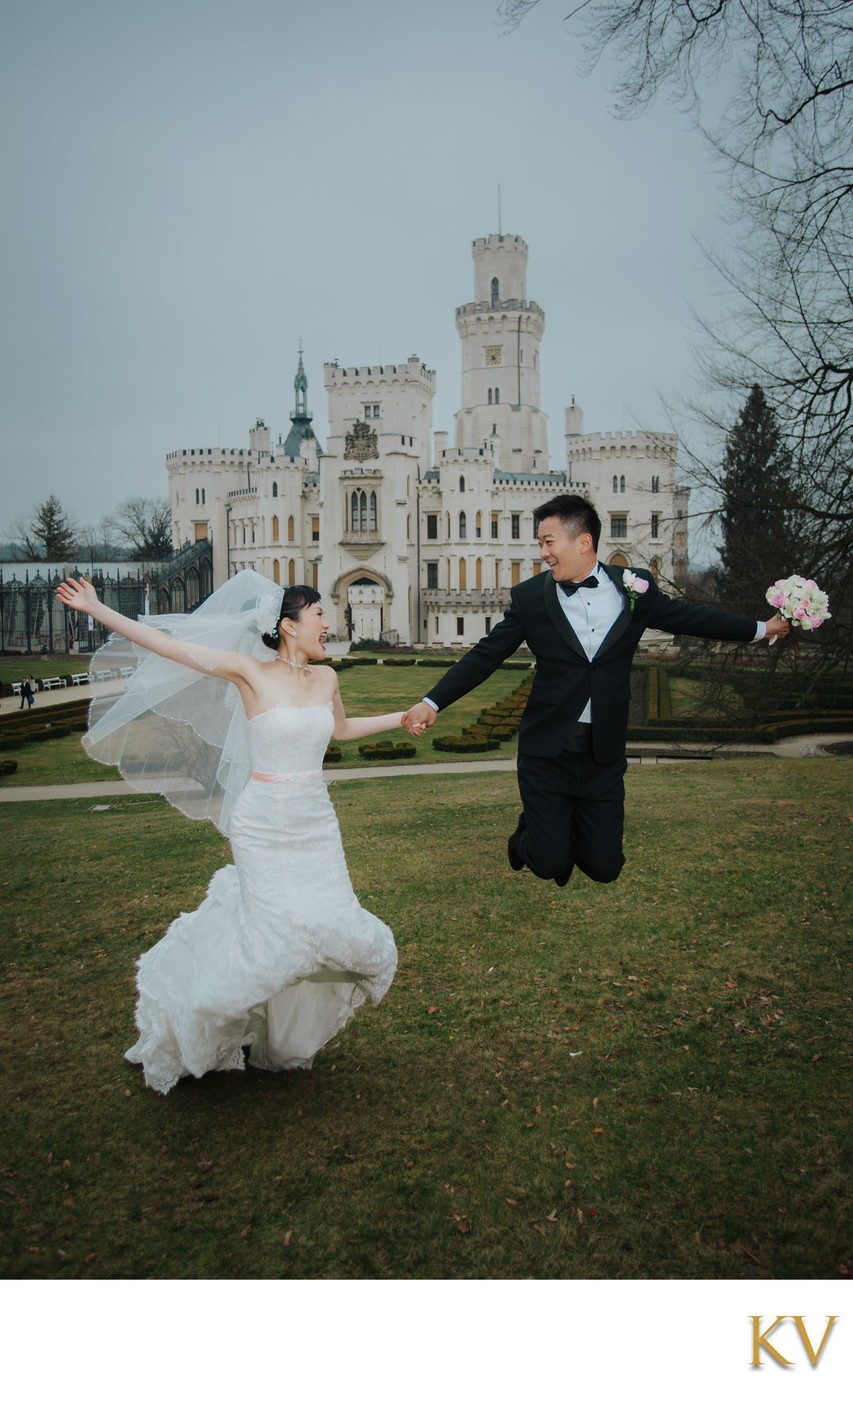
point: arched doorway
(364, 613)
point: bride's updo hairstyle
(293, 602)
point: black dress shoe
(561, 882)
(516, 862)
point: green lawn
(641, 1080)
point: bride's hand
(77, 595)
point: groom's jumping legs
(574, 812)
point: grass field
(648, 1079)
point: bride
(280, 953)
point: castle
(410, 539)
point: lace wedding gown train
(280, 953)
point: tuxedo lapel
(558, 617)
(617, 629)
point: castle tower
(500, 333)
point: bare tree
(144, 526)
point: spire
(300, 420)
(300, 385)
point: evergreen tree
(759, 516)
(52, 531)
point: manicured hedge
(387, 751)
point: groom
(583, 622)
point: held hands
(77, 595)
(418, 718)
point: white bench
(16, 689)
(78, 678)
(101, 674)
(49, 683)
(126, 672)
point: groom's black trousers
(574, 812)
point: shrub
(387, 751)
(333, 753)
(8, 768)
(465, 744)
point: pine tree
(759, 516)
(53, 531)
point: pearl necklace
(304, 667)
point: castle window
(291, 572)
(655, 524)
(490, 395)
(462, 485)
(654, 567)
(432, 526)
(275, 490)
(460, 625)
(496, 292)
(203, 496)
(622, 484)
(515, 572)
(515, 528)
(655, 485)
(615, 484)
(353, 520)
(478, 573)
(488, 623)
(478, 525)
(315, 528)
(497, 395)
(463, 526)
(496, 517)
(619, 524)
(432, 575)
(276, 571)
(275, 529)
(463, 574)
(291, 529)
(362, 512)
(373, 512)
(196, 497)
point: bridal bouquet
(800, 601)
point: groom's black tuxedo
(565, 681)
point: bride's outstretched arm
(80, 595)
(352, 729)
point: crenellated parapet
(647, 444)
(411, 372)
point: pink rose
(640, 585)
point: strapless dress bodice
(289, 740)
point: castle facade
(407, 537)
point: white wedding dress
(280, 953)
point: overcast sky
(193, 185)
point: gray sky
(192, 185)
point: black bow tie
(569, 587)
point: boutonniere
(634, 587)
